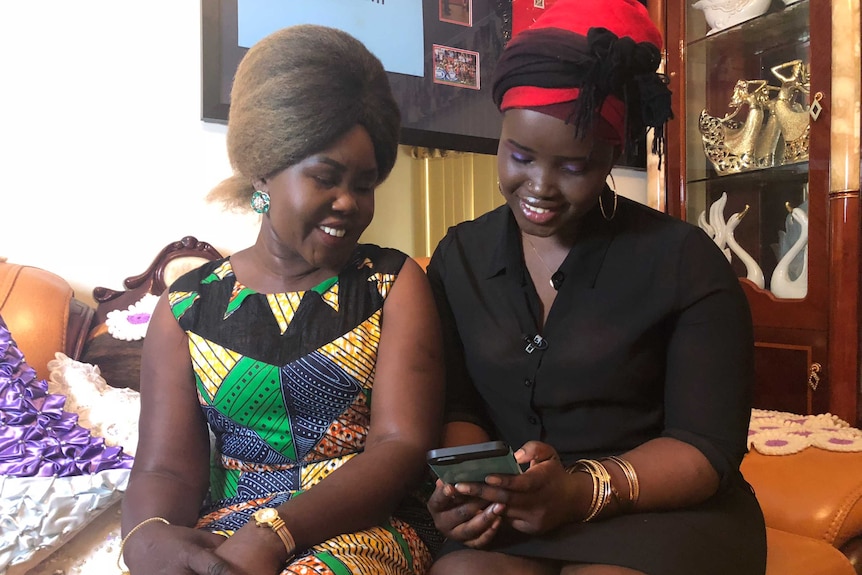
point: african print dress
(285, 381)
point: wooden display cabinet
(773, 66)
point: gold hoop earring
(602, 206)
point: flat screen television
(440, 56)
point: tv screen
(440, 56)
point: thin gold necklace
(541, 259)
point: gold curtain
(450, 187)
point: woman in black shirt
(609, 344)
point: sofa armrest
(816, 493)
(42, 314)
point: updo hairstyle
(295, 93)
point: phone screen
(473, 462)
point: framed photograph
(457, 12)
(433, 114)
(455, 67)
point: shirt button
(532, 419)
(528, 382)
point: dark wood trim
(844, 268)
(675, 168)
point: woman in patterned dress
(286, 352)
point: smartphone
(473, 462)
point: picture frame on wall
(455, 67)
(457, 12)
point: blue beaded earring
(260, 202)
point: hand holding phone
(473, 462)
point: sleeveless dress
(285, 382)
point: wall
(104, 158)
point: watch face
(266, 515)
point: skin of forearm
(361, 493)
(152, 494)
(671, 474)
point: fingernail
(519, 453)
(497, 508)
(493, 480)
(462, 489)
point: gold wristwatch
(269, 517)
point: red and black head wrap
(588, 58)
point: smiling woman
(279, 348)
(605, 315)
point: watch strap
(284, 534)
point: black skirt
(725, 534)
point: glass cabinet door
(748, 115)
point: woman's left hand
(537, 500)
(254, 550)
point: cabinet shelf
(725, 161)
(786, 173)
(787, 25)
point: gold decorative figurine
(775, 130)
(791, 109)
(735, 146)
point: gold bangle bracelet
(594, 501)
(134, 529)
(601, 486)
(631, 478)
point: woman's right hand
(470, 520)
(176, 550)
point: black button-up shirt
(650, 335)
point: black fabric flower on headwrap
(626, 69)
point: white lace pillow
(106, 411)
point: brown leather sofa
(41, 311)
(812, 500)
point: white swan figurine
(752, 270)
(716, 228)
(781, 284)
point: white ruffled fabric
(71, 525)
(783, 433)
(108, 412)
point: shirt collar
(584, 261)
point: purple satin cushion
(37, 437)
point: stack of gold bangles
(603, 489)
(631, 479)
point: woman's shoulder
(378, 259)
(485, 229)
(644, 223)
(205, 273)
(648, 236)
